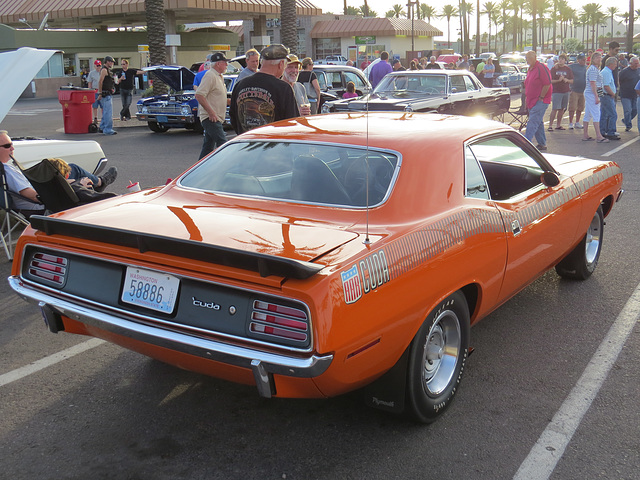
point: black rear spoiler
(265, 265)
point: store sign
(366, 40)
(143, 48)
(219, 48)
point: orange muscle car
(319, 255)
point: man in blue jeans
(212, 104)
(537, 87)
(106, 88)
(627, 80)
(608, 114)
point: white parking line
(45, 362)
(624, 145)
(546, 453)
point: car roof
(336, 67)
(430, 72)
(399, 131)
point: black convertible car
(456, 92)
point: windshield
(427, 85)
(303, 172)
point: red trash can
(76, 108)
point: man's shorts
(559, 101)
(97, 103)
(576, 102)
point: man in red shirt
(537, 88)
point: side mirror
(550, 179)
(454, 90)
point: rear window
(300, 172)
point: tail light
(279, 321)
(51, 268)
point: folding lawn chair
(54, 191)
(12, 221)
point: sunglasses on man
(7, 145)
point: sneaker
(542, 148)
(571, 126)
(107, 179)
(577, 125)
(627, 129)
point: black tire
(582, 261)
(437, 357)
(197, 127)
(157, 127)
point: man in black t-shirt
(125, 80)
(263, 98)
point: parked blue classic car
(512, 76)
(178, 109)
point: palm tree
(504, 5)
(491, 10)
(288, 27)
(449, 11)
(366, 11)
(398, 11)
(630, 29)
(613, 12)
(426, 11)
(156, 31)
(353, 11)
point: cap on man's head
(581, 56)
(218, 57)
(108, 58)
(97, 63)
(274, 52)
(293, 59)
(394, 61)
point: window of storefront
(327, 46)
(53, 68)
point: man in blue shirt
(380, 69)
(608, 114)
(576, 97)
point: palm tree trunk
(288, 28)
(156, 30)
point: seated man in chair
(82, 187)
(25, 198)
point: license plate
(149, 289)
(162, 119)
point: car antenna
(367, 240)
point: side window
(508, 169)
(322, 80)
(469, 83)
(476, 185)
(352, 77)
(457, 82)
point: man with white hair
(212, 104)
(263, 98)
(432, 64)
(290, 76)
(608, 114)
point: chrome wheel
(441, 352)
(592, 241)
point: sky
(382, 6)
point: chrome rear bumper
(262, 364)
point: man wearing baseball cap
(106, 88)
(211, 95)
(93, 81)
(263, 98)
